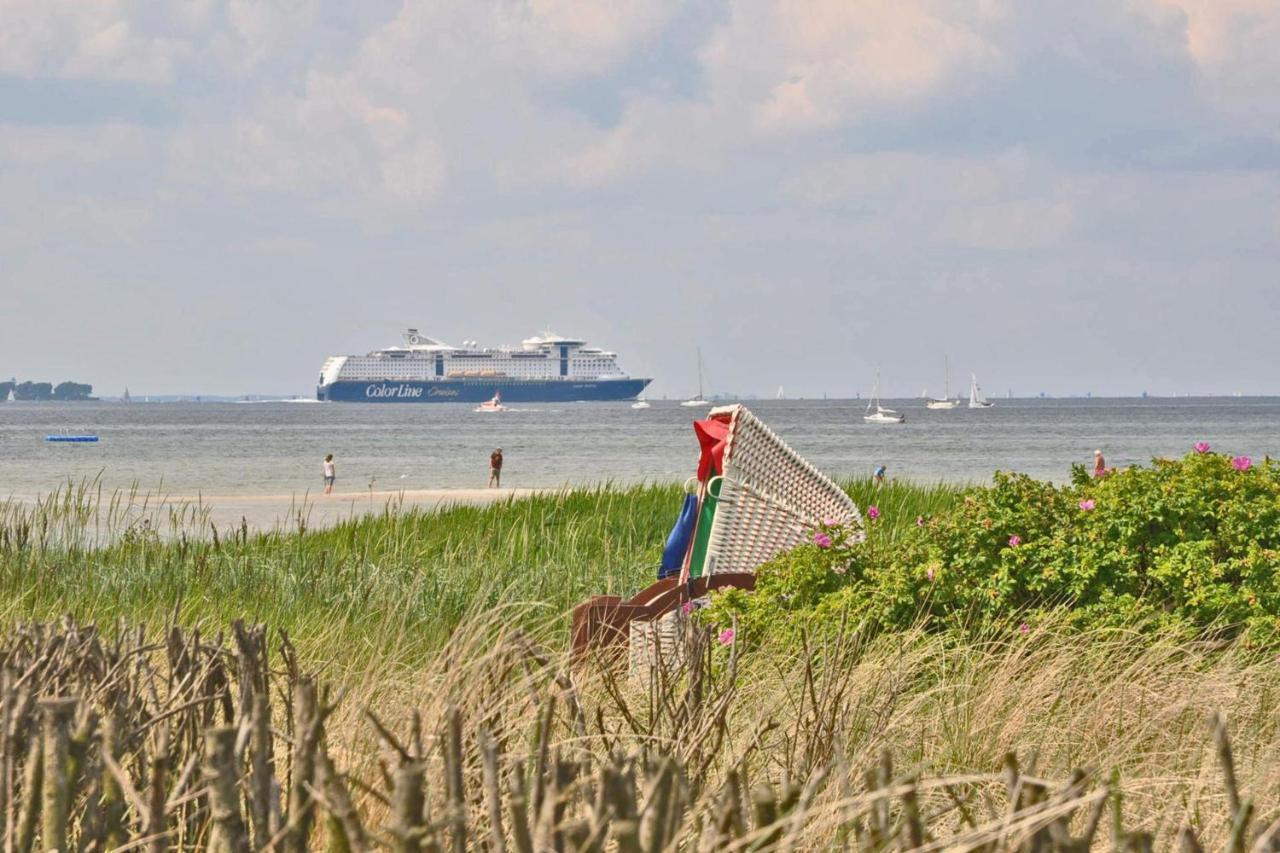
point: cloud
(99, 40)
(802, 65)
(1233, 43)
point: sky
(211, 196)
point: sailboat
(881, 415)
(946, 402)
(494, 404)
(125, 398)
(698, 400)
(976, 400)
(782, 395)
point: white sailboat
(976, 400)
(881, 415)
(782, 395)
(494, 404)
(698, 400)
(946, 402)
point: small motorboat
(72, 438)
(641, 403)
(492, 405)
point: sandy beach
(262, 512)
(265, 512)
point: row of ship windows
(430, 367)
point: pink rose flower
(1024, 628)
(1015, 540)
(1242, 463)
(726, 637)
(873, 512)
(919, 521)
(822, 540)
(1202, 447)
(929, 574)
(1086, 505)
(686, 608)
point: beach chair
(756, 498)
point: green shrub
(1193, 542)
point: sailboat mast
(946, 372)
(700, 397)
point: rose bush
(1194, 542)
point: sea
(275, 448)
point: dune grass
(347, 591)
(411, 575)
(412, 610)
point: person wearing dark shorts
(495, 468)
(330, 474)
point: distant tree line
(45, 391)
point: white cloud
(805, 64)
(96, 40)
(572, 37)
(1234, 44)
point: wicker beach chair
(767, 498)
(758, 498)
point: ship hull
(480, 390)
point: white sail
(976, 400)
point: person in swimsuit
(1099, 464)
(330, 474)
(495, 468)
(878, 476)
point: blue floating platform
(78, 439)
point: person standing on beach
(1099, 464)
(878, 476)
(330, 474)
(495, 468)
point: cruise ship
(543, 369)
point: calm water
(276, 448)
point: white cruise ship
(546, 368)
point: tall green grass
(901, 503)
(391, 585)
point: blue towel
(678, 541)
